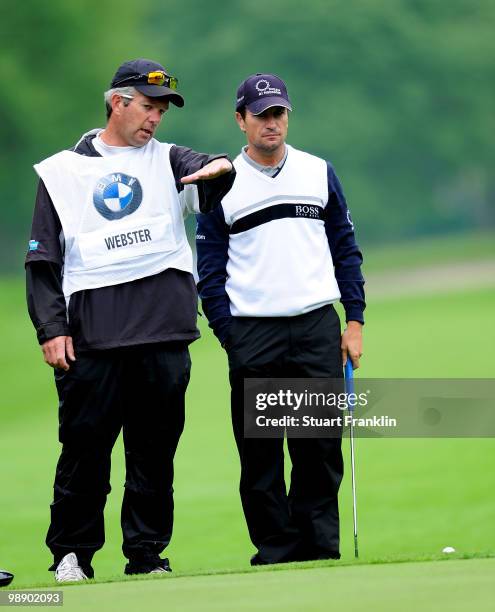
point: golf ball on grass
(448, 550)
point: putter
(5, 578)
(349, 387)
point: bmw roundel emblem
(117, 195)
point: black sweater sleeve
(185, 161)
(212, 245)
(347, 258)
(45, 298)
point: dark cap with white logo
(261, 91)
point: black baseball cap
(261, 91)
(139, 74)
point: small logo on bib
(117, 195)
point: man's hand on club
(352, 343)
(58, 352)
(211, 171)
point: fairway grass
(454, 585)
(432, 251)
(415, 496)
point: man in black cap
(112, 297)
(272, 261)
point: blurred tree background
(398, 94)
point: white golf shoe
(68, 570)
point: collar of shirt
(268, 170)
(107, 150)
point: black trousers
(140, 390)
(302, 524)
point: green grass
(454, 585)
(415, 496)
(356, 588)
(429, 251)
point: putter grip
(349, 376)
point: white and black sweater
(279, 246)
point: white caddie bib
(121, 215)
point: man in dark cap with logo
(272, 261)
(112, 296)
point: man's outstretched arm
(202, 179)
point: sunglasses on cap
(156, 77)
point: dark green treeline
(399, 94)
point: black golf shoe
(158, 566)
(5, 578)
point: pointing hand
(212, 170)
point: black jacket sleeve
(347, 258)
(185, 161)
(45, 298)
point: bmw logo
(117, 195)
